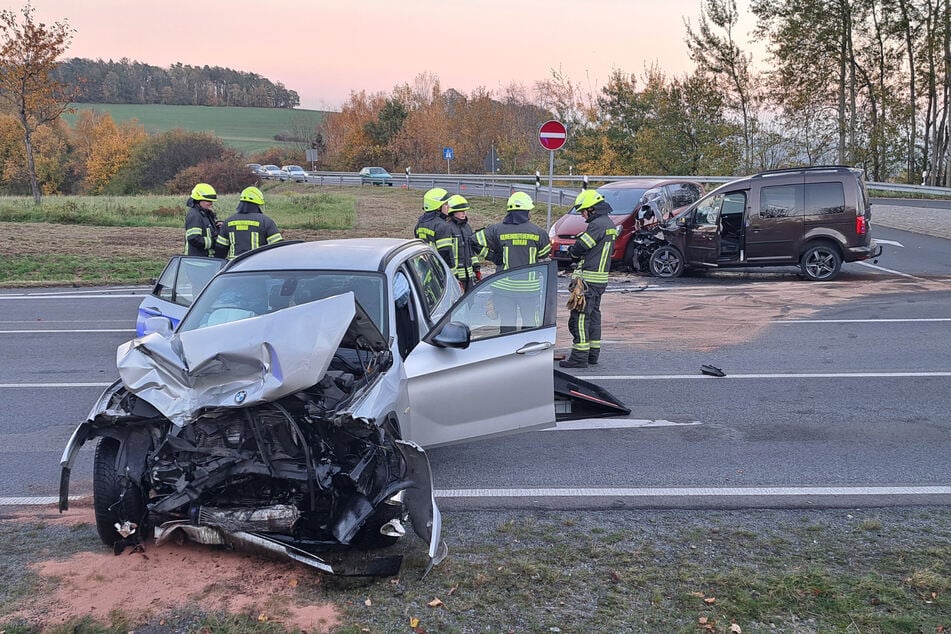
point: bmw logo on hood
(240, 396)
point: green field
(246, 129)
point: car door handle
(534, 348)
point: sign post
(552, 135)
(447, 154)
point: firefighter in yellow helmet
(434, 214)
(201, 224)
(454, 243)
(248, 228)
(592, 252)
(514, 242)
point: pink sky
(324, 49)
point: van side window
(825, 198)
(708, 210)
(779, 201)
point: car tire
(114, 500)
(667, 262)
(820, 263)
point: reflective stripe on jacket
(512, 244)
(593, 247)
(245, 231)
(201, 230)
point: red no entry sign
(552, 134)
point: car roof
(344, 254)
(643, 183)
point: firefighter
(201, 224)
(248, 228)
(434, 214)
(514, 242)
(592, 251)
(454, 243)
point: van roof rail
(810, 168)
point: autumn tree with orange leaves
(28, 54)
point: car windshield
(235, 296)
(622, 201)
(377, 170)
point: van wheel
(114, 498)
(820, 263)
(666, 261)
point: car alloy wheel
(666, 261)
(821, 263)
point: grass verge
(870, 571)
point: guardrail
(564, 186)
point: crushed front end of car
(286, 442)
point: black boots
(593, 355)
(578, 359)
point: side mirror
(682, 221)
(160, 325)
(455, 334)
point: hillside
(245, 129)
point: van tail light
(861, 225)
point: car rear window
(622, 201)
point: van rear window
(825, 198)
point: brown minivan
(815, 218)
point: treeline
(864, 83)
(130, 82)
(100, 156)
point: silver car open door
(486, 367)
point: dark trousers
(585, 326)
(510, 305)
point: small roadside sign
(447, 154)
(552, 135)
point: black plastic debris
(711, 370)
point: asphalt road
(847, 408)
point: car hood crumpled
(241, 363)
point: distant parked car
(275, 172)
(296, 172)
(375, 176)
(256, 169)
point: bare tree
(28, 54)
(715, 51)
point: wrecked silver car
(288, 409)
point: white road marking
(858, 321)
(829, 375)
(15, 332)
(35, 385)
(614, 423)
(892, 271)
(74, 296)
(35, 501)
(655, 492)
(629, 492)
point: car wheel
(114, 498)
(820, 263)
(666, 261)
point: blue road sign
(447, 154)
